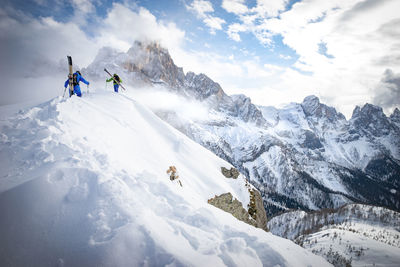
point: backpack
(116, 77)
(75, 79)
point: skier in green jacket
(116, 80)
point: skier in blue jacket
(77, 77)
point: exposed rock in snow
(371, 119)
(305, 156)
(149, 63)
(83, 183)
(313, 107)
(395, 117)
(233, 206)
(231, 173)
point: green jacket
(114, 82)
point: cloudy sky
(347, 52)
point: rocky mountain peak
(368, 110)
(201, 85)
(372, 119)
(155, 63)
(395, 117)
(314, 108)
(150, 63)
(148, 48)
(310, 104)
(246, 110)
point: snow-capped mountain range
(355, 234)
(91, 181)
(304, 156)
(84, 182)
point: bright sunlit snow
(83, 182)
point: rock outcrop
(231, 173)
(228, 203)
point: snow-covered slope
(355, 234)
(355, 244)
(83, 182)
(303, 156)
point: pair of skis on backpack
(71, 77)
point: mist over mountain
(93, 180)
(303, 156)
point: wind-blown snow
(83, 183)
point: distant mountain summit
(304, 156)
(313, 108)
(370, 119)
(151, 64)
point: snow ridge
(84, 183)
(303, 156)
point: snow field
(83, 183)
(356, 243)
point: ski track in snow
(83, 183)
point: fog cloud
(387, 94)
(33, 64)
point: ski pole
(65, 88)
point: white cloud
(202, 9)
(286, 57)
(85, 6)
(387, 93)
(214, 23)
(361, 40)
(362, 48)
(36, 48)
(235, 6)
(122, 27)
(33, 56)
(234, 30)
(269, 8)
(264, 9)
(49, 41)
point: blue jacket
(79, 78)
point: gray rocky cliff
(151, 64)
(303, 156)
(370, 119)
(395, 116)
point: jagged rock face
(245, 110)
(227, 203)
(311, 141)
(371, 119)
(259, 210)
(152, 64)
(313, 107)
(201, 85)
(395, 117)
(306, 161)
(385, 168)
(306, 156)
(155, 62)
(231, 173)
